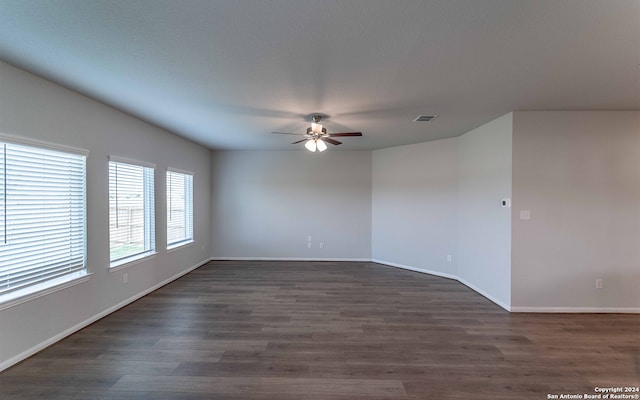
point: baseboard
(575, 310)
(287, 259)
(41, 346)
(415, 269)
(445, 275)
(484, 294)
(626, 310)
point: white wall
(36, 109)
(265, 204)
(579, 175)
(484, 226)
(414, 206)
(443, 197)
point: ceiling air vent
(424, 118)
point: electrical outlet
(321, 245)
(309, 238)
(449, 257)
(125, 278)
(309, 245)
(599, 283)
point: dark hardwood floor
(333, 331)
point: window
(131, 211)
(42, 218)
(179, 208)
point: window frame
(149, 215)
(42, 288)
(188, 206)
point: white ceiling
(225, 73)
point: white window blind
(42, 215)
(131, 211)
(179, 208)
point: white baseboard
(485, 294)
(445, 275)
(287, 259)
(422, 270)
(606, 310)
(43, 345)
(391, 264)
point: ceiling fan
(317, 135)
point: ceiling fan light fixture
(316, 128)
(311, 145)
(316, 136)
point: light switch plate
(525, 214)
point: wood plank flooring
(333, 331)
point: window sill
(131, 261)
(13, 299)
(179, 245)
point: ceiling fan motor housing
(316, 134)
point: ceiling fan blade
(345, 134)
(300, 141)
(289, 133)
(332, 141)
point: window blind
(179, 208)
(42, 215)
(131, 210)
